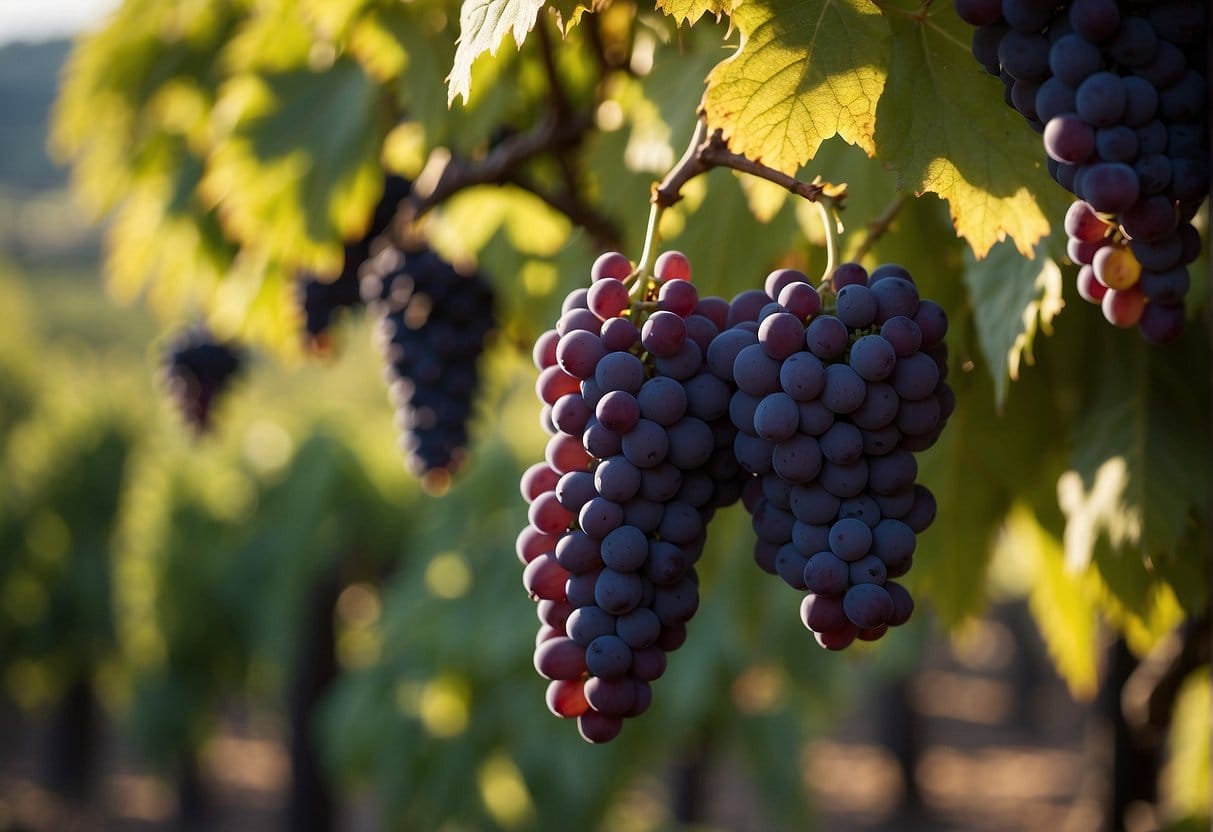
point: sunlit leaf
(805, 70)
(943, 125)
(276, 38)
(764, 198)
(568, 12)
(1185, 779)
(142, 77)
(689, 11)
(1063, 603)
(483, 24)
(300, 167)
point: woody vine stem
(708, 150)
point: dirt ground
(990, 741)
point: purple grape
(868, 605)
(776, 417)
(662, 400)
(663, 334)
(850, 538)
(826, 574)
(856, 306)
(826, 337)
(781, 335)
(608, 657)
(755, 372)
(844, 389)
(560, 658)
(867, 570)
(873, 357)
(812, 504)
(797, 459)
(585, 624)
(842, 444)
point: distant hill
(29, 77)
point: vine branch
(564, 129)
(877, 228)
(707, 151)
(496, 167)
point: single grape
(610, 264)
(868, 605)
(672, 265)
(1124, 308)
(1116, 267)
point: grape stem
(708, 151)
(828, 224)
(877, 228)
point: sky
(34, 20)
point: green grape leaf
(943, 125)
(1063, 603)
(997, 450)
(1012, 298)
(300, 166)
(1135, 499)
(689, 11)
(483, 24)
(805, 70)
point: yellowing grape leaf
(483, 24)
(943, 125)
(689, 11)
(300, 162)
(1185, 780)
(1063, 603)
(805, 70)
(568, 12)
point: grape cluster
(830, 407)
(1117, 90)
(1134, 281)
(638, 460)
(662, 407)
(319, 299)
(196, 369)
(432, 324)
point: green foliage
(65, 467)
(942, 126)
(301, 163)
(1133, 495)
(483, 24)
(234, 143)
(1013, 297)
(805, 71)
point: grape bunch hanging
(1118, 91)
(662, 407)
(432, 322)
(321, 300)
(831, 404)
(196, 369)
